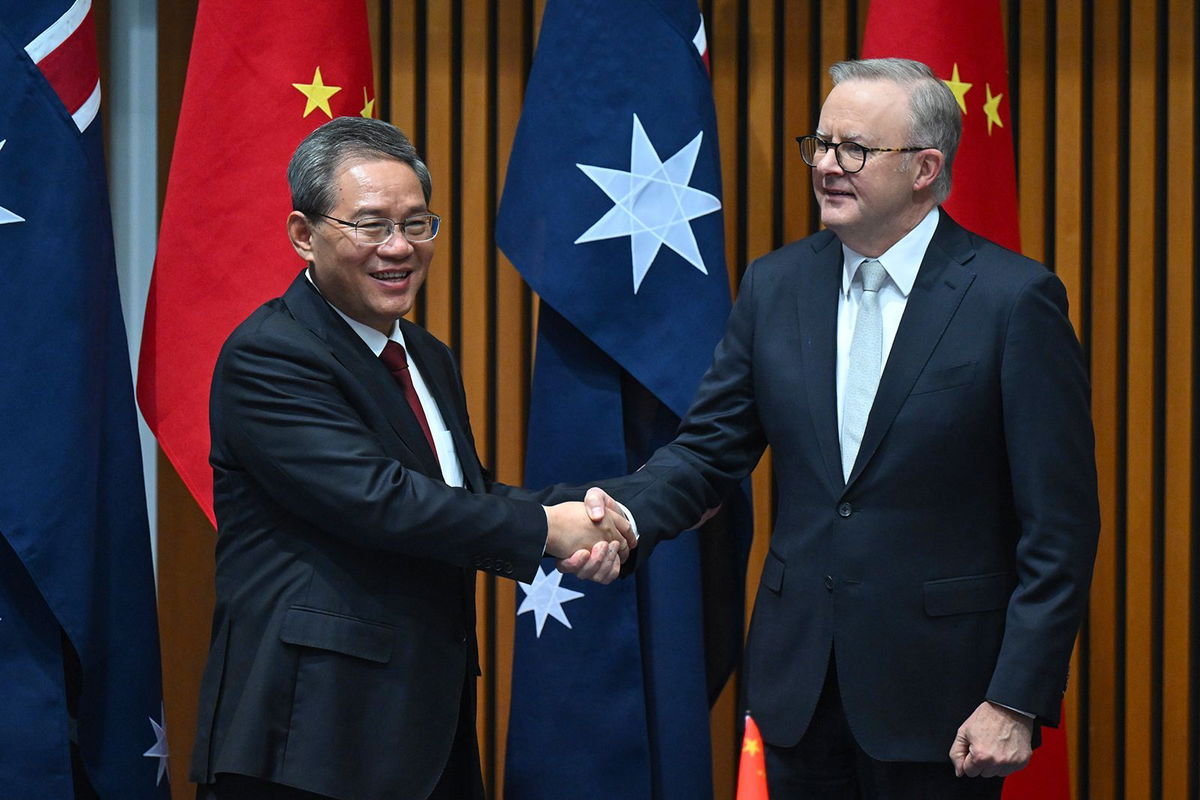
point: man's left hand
(601, 564)
(993, 742)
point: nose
(828, 163)
(396, 245)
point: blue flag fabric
(611, 212)
(79, 658)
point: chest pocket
(947, 378)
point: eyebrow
(374, 211)
(853, 137)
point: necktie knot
(873, 275)
(394, 357)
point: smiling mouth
(392, 275)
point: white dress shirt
(901, 262)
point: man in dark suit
(926, 403)
(353, 512)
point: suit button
(845, 510)
(486, 563)
(829, 582)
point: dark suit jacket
(954, 566)
(344, 628)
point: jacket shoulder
(993, 262)
(797, 254)
(272, 321)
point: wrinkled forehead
(867, 111)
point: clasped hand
(592, 539)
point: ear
(929, 165)
(300, 233)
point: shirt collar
(902, 260)
(371, 337)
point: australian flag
(80, 682)
(612, 213)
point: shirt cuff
(629, 516)
(1010, 708)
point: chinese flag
(262, 75)
(752, 769)
(964, 45)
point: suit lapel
(941, 283)
(818, 286)
(310, 309)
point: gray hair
(933, 116)
(317, 158)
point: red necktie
(396, 360)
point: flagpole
(133, 186)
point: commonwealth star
(652, 203)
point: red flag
(752, 769)
(964, 45)
(262, 75)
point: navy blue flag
(79, 662)
(611, 211)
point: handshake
(591, 539)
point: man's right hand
(604, 535)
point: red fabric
(223, 248)
(752, 769)
(72, 68)
(943, 34)
(396, 360)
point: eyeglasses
(851, 156)
(377, 230)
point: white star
(159, 750)
(7, 216)
(544, 597)
(652, 203)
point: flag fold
(79, 658)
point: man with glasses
(353, 512)
(926, 403)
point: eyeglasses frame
(396, 225)
(837, 152)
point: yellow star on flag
(751, 746)
(959, 88)
(991, 108)
(368, 109)
(318, 94)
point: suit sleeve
(280, 413)
(1051, 451)
(717, 444)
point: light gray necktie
(866, 355)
